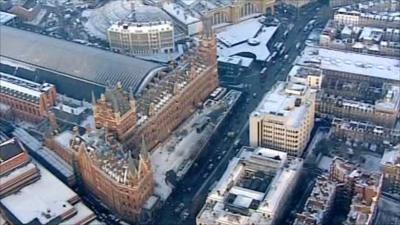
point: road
(193, 189)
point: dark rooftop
(9, 149)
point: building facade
(115, 110)
(384, 112)
(357, 18)
(360, 188)
(298, 3)
(187, 14)
(364, 132)
(391, 171)
(27, 100)
(318, 207)
(122, 180)
(170, 98)
(284, 118)
(142, 38)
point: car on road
(231, 134)
(185, 214)
(179, 208)
(298, 45)
(286, 57)
(205, 175)
(210, 167)
(236, 143)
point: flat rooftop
(288, 102)
(251, 189)
(179, 13)
(45, 200)
(15, 85)
(232, 40)
(352, 62)
(233, 35)
(9, 149)
(73, 60)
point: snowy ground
(179, 152)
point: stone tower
(116, 111)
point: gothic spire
(144, 153)
(132, 164)
(207, 27)
(93, 99)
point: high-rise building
(142, 38)
(122, 180)
(284, 118)
(253, 189)
(27, 100)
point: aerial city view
(200, 112)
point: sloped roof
(75, 60)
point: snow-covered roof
(179, 13)
(280, 103)
(73, 60)
(233, 35)
(83, 215)
(100, 19)
(391, 102)
(279, 186)
(251, 159)
(352, 62)
(5, 17)
(391, 156)
(35, 146)
(45, 199)
(22, 87)
(260, 50)
(16, 173)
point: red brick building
(28, 100)
(168, 99)
(120, 180)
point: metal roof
(76, 60)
